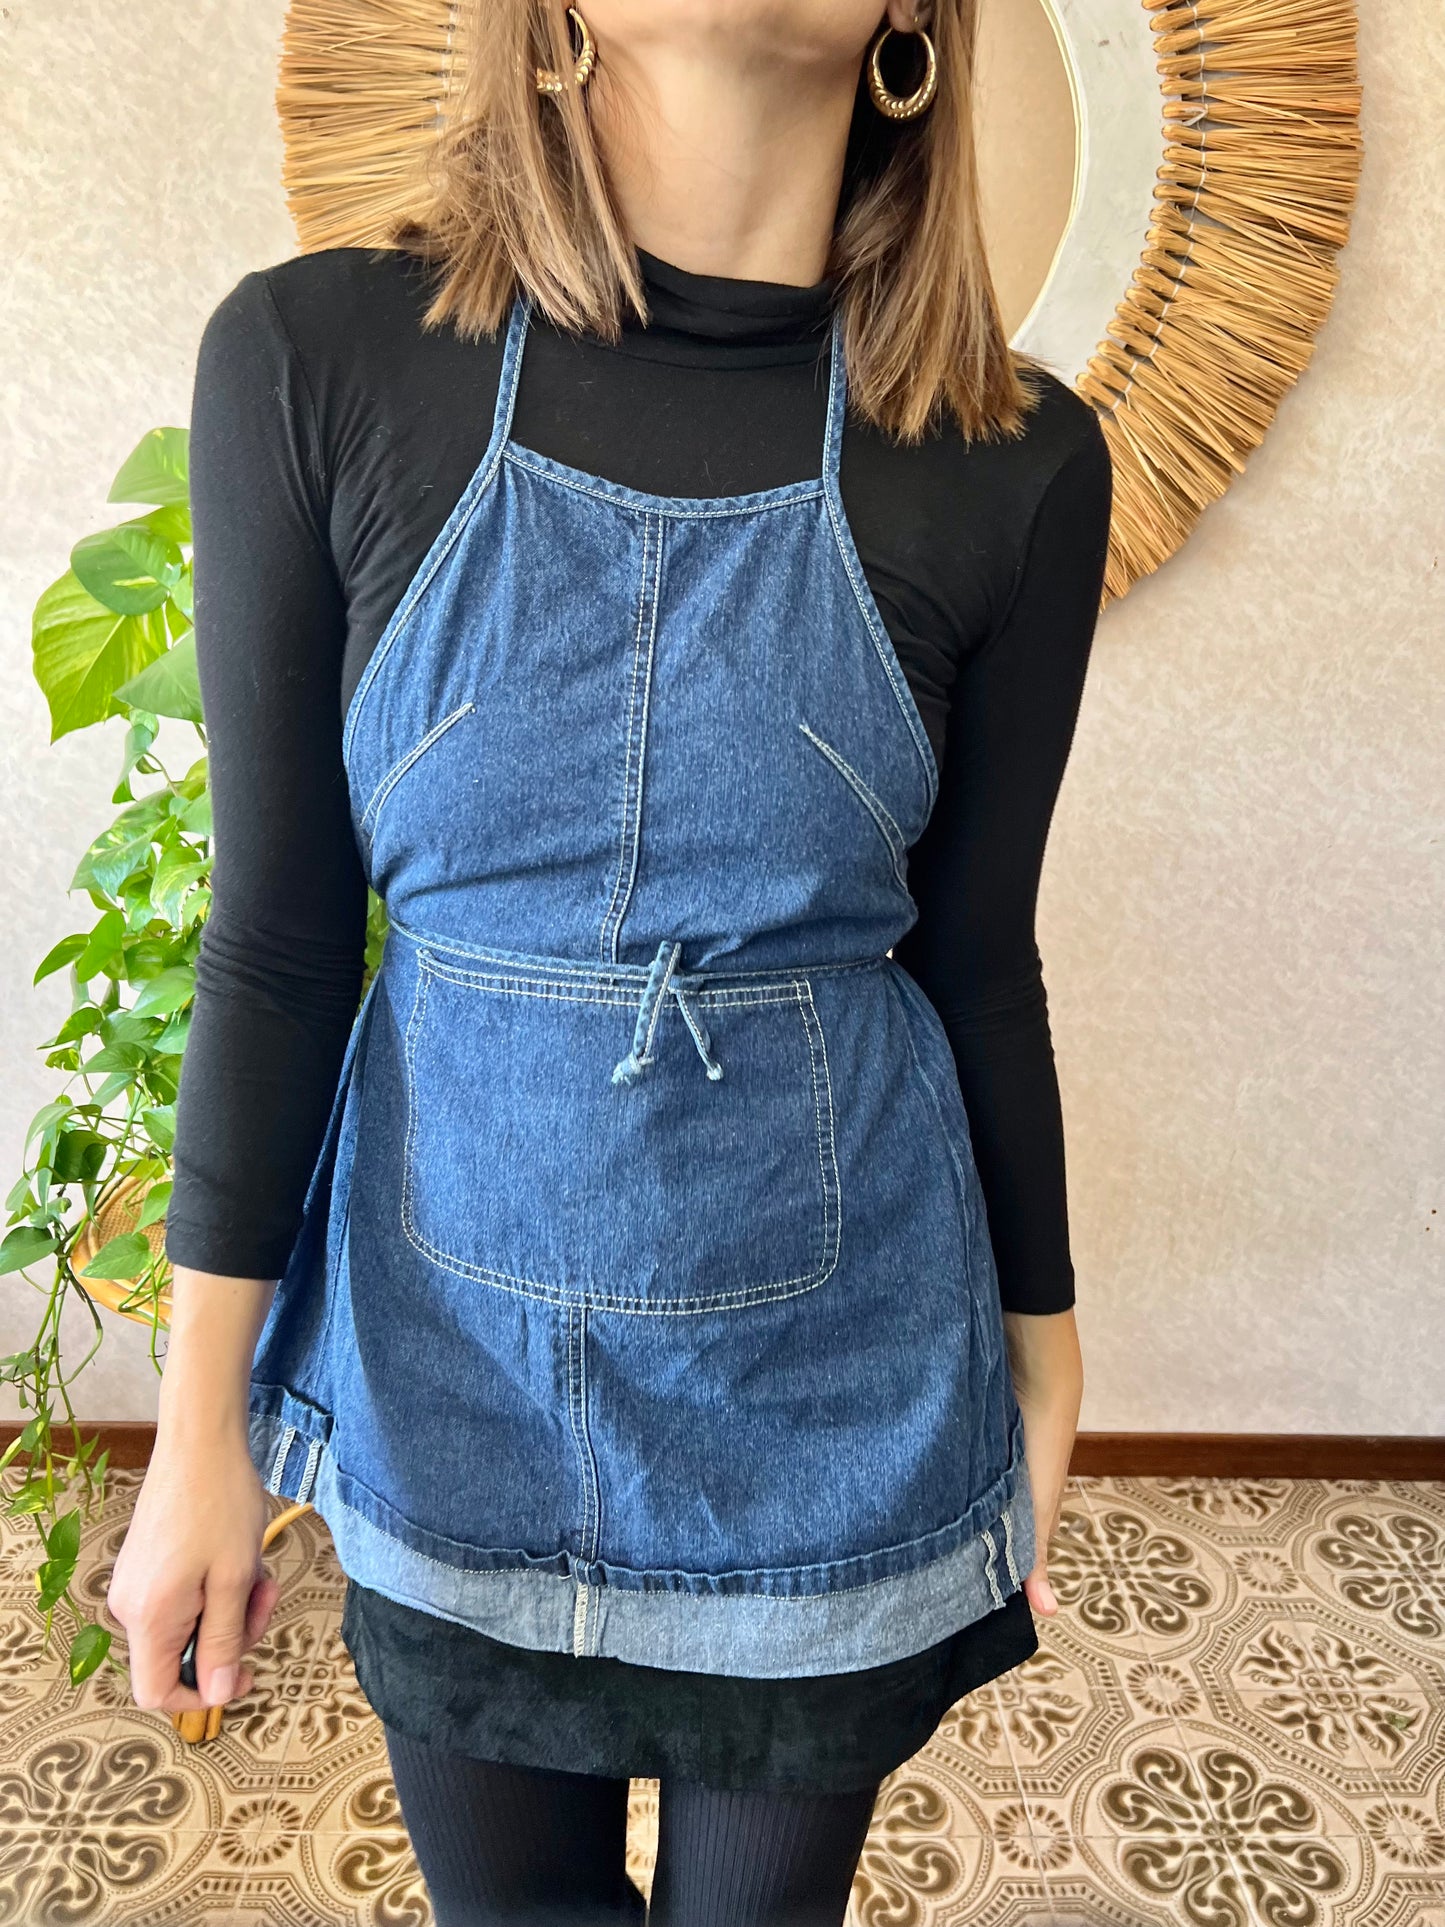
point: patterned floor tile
(1381, 1557)
(922, 1862)
(151, 1875)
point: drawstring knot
(649, 1009)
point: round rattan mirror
(1216, 149)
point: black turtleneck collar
(711, 319)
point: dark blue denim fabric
(644, 1304)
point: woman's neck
(725, 157)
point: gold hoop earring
(902, 106)
(549, 82)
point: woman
(674, 1322)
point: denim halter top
(643, 1303)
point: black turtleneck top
(330, 439)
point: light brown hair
(520, 196)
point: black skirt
(444, 1683)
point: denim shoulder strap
(517, 321)
(837, 405)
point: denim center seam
(583, 1634)
(630, 831)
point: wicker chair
(117, 1214)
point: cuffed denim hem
(560, 1607)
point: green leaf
(115, 1057)
(140, 916)
(172, 522)
(183, 595)
(54, 1576)
(155, 470)
(30, 1498)
(126, 1027)
(160, 1122)
(63, 1539)
(80, 1023)
(78, 1156)
(129, 568)
(84, 651)
(87, 1650)
(179, 870)
(146, 957)
(196, 906)
(120, 1258)
(157, 1203)
(60, 956)
(138, 739)
(103, 947)
(195, 816)
(169, 686)
(47, 1118)
(172, 1040)
(166, 993)
(122, 848)
(111, 860)
(27, 1244)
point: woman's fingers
(157, 1628)
(264, 1594)
(191, 1563)
(1039, 1593)
(222, 1641)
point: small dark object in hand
(188, 1658)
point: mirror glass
(1026, 137)
(1070, 114)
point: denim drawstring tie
(654, 991)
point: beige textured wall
(1241, 914)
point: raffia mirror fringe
(1259, 162)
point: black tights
(530, 1847)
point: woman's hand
(1048, 1376)
(193, 1547)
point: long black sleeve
(975, 876)
(279, 971)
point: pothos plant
(113, 639)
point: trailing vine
(113, 638)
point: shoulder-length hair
(520, 198)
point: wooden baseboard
(1258, 1455)
(1172, 1455)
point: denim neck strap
(521, 315)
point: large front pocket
(529, 1168)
